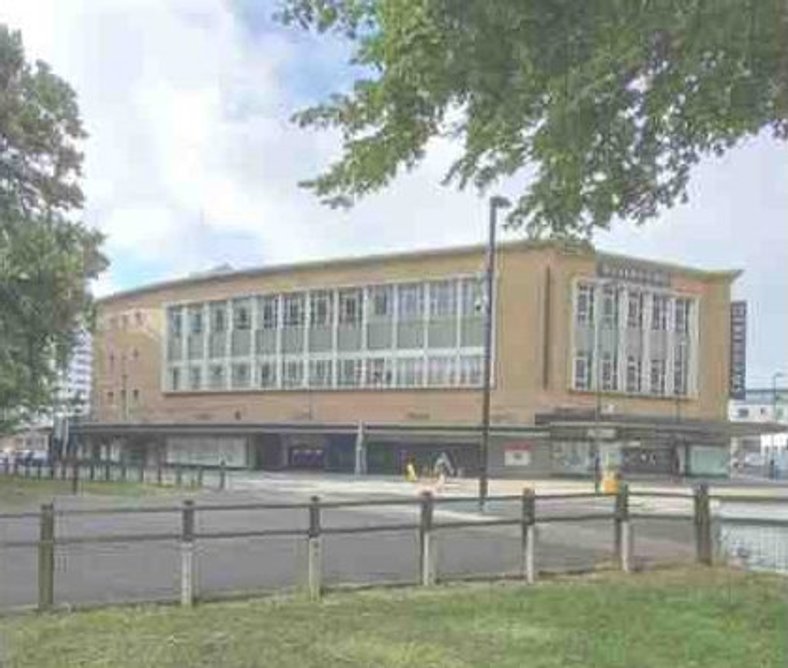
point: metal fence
(187, 475)
(168, 541)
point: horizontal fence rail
(524, 518)
(77, 472)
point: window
(471, 370)
(680, 369)
(320, 373)
(218, 318)
(175, 379)
(135, 354)
(443, 299)
(195, 378)
(135, 395)
(411, 302)
(350, 307)
(293, 375)
(349, 372)
(110, 397)
(216, 377)
(380, 303)
(472, 297)
(657, 377)
(195, 320)
(635, 310)
(320, 309)
(138, 318)
(659, 313)
(634, 374)
(584, 315)
(609, 371)
(294, 310)
(111, 362)
(242, 318)
(410, 372)
(743, 413)
(440, 371)
(582, 371)
(268, 311)
(379, 372)
(682, 315)
(240, 375)
(267, 371)
(175, 322)
(610, 307)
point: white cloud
(192, 162)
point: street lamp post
(496, 202)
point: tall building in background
(74, 383)
(366, 363)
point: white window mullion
(279, 364)
(670, 340)
(426, 325)
(693, 348)
(394, 327)
(645, 357)
(596, 349)
(334, 337)
(307, 334)
(621, 338)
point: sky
(192, 161)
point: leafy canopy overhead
(46, 257)
(609, 103)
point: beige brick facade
(533, 343)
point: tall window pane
(584, 313)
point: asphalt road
(141, 571)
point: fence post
(7, 465)
(39, 465)
(187, 553)
(108, 472)
(178, 475)
(52, 465)
(529, 535)
(426, 547)
(141, 474)
(314, 556)
(158, 472)
(124, 471)
(27, 468)
(703, 543)
(222, 475)
(623, 529)
(46, 558)
(92, 470)
(199, 476)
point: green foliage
(607, 104)
(46, 257)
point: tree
(606, 103)
(47, 258)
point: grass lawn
(672, 618)
(30, 491)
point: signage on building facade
(633, 272)
(738, 372)
(517, 454)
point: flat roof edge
(567, 248)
